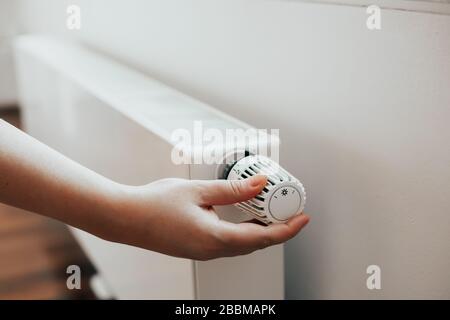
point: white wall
(363, 118)
(7, 18)
(7, 29)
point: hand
(36, 178)
(184, 224)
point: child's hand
(176, 217)
(171, 216)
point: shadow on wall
(7, 80)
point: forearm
(37, 178)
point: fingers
(223, 192)
(243, 238)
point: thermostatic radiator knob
(283, 196)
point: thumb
(223, 192)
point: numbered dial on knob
(283, 196)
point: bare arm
(37, 178)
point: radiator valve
(283, 196)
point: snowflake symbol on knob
(284, 192)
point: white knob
(282, 198)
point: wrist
(118, 212)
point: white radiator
(118, 122)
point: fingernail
(258, 180)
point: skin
(35, 177)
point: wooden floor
(35, 252)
